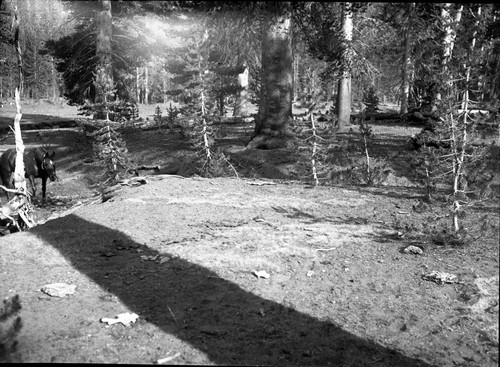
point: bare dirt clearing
(181, 253)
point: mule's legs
(6, 180)
(44, 187)
(33, 185)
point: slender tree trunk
(137, 84)
(164, 79)
(407, 62)
(34, 83)
(17, 45)
(240, 106)
(146, 88)
(10, 86)
(344, 84)
(450, 32)
(53, 75)
(19, 172)
(19, 179)
(275, 108)
(466, 96)
(104, 51)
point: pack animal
(38, 163)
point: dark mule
(37, 164)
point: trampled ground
(182, 252)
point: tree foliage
(40, 20)
(235, 38)
(77, 57)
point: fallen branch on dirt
(134, 181)
(153, 168)
(261, 183)
(161, 177)
(19, 206)
(326, 249)
(126, 319)
(111, 191)
(263, 221)
(17, 192)
(16, 207)
(441, 278)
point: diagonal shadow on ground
(236, 335)
(294, 213)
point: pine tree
(276, 90)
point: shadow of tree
(214, 315)
(304, 217)
(394, 192)
(38, 118)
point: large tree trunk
(296, 77)
(344, 84)
(104, 52)
(405, 92)
(275, 107)
(495, 87)
(344, 100)
(241, 104)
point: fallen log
(134, 181)
(111, 191)
(380, 115)
(135, 171)
(150, 168)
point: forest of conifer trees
(332, 51)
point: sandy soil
(182, 252)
